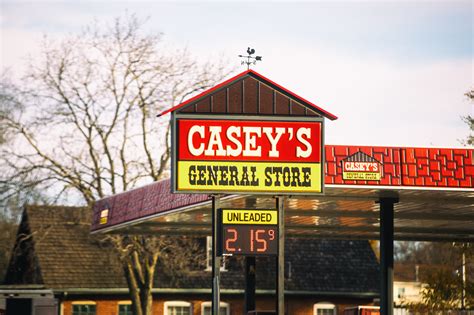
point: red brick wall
(293, 305)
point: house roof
(61, 254)
(294, 100)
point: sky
(395, 73)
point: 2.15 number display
(250, 240)
(249, 232)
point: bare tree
(89, 126)
(469, 120)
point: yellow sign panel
(103, 216)
(361, 176)
(262, 217)
(249, 176)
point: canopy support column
(249, 284)
(281, 256)
(386, 254)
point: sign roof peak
(258, 77)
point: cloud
(16, 45)
(393, 80)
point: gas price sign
(248, 232)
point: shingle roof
(148, 200)
(69, 257)
(312, 265)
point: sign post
(216, 259)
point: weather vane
(250, 60)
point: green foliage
(442, 289)
(443, 292)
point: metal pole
(249, 284)
(386, 255)
(281, 257)
(216, 260)
(250, 271)
(463, 293)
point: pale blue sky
(394, 72)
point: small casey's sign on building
(361, 166)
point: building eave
(120, 291)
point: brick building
(58, 267)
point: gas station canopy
(436, 202)
(433, 186)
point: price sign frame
(253, 232)
(238, 154)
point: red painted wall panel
(410, 167)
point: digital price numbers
(248, 232)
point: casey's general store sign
(248, 156)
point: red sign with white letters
(248, 156)
(224, 140)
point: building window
(177, 308)
(86, 308)
(125, 308)
(206, 308)
(324, 309)
(209, 256)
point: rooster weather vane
(250, 60)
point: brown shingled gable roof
(66, 254)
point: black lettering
(306, 173)
(192, 175)
(251, 217)
(224, 180)
(254, 182)
(232, 216)
(268, 178)
(295, 172)
(286, 176)
(201, 175)
(277, 171)
(245, 177)
(257, 217)
(233, 176)
(212, 174)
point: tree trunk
(133, 288)
(140, 284)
